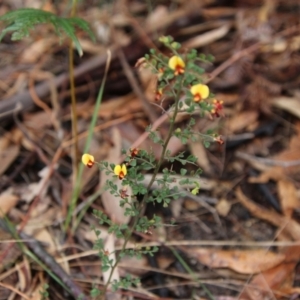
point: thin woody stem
(145, 198)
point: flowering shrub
(181, 78)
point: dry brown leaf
(289, 226)
(288, 160)
(36, 120)
(241, 120)
(40, 188)
(89, 46)
(288, 197)
(24, 275)
(134, 265)
(90, 235)
(110, 202)
(8, 156)
(292, 105)
(7, 201)
(37, 292)
(148, 80)
(174, 146)
(207, 37)
(225, 298)
(276, 279)
(156, 16)
(116, 107)
(223, 207)
(42, 220)
(190, 205)
(199, 151)
(44, 236)
(263, 285)
(169, 18)
(109, 246)
(241, 261)
(37, 49)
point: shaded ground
(240, 235)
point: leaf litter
(255, 44)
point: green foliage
(177, 82)
(125, 283)
(44, 292)
(21, 21)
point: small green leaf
(183, 172)
(206, 144)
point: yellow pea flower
(88, 160)
(177, 64)
(200, 92)
(120, 171)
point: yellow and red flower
(200, 92)
(177, 64)
(219, 140)
(120, 171)
(217, 108)
(158, 94)
(123, 193)
(134, 152)
(88, 160)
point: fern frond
(21, 21)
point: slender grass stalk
(87, 204)
(190, 271)
(73, 104)
(76, 190)
(10, 227)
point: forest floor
(240, 235)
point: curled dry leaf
(279, 279)
(24, 275)
(8, 156)
(286, 163)
(207, 37)
(7, 201)
(263, 285)
(242, 120)
(289, 226)
(288, 197)
(109, 247)
(111, 202)
(241, 261)
(292, 105)
(200, 152)
(36, 50)
(223, 207)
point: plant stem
(73, 101)
(145, 198)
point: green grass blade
(76, 190)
